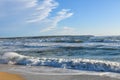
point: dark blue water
(88, 47)
(92, 53)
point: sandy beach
(28, 76)
(9, 76)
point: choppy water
(91, 53)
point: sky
(59, 17)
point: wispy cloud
(38, 12)
(38, 9)
(42, 10)
(61, 15)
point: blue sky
(59, 17)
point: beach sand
(29, 76)
(9, 76)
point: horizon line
(4, 37)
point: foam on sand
(9, 76)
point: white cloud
(30, 12)
(42, 10)
(34, 10)
(10, 8)
(17, 4)
(61, 15)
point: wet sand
(68, 77)
(29, 76)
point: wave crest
(78, 64)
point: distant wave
(107, 39)
(65, 39)
(57, 39)
(78, 64)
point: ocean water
(86, 53)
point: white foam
(12, 57)
(77, 64)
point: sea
(77, 53)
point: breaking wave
(77, 64)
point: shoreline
(51, 76)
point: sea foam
(77, 64)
